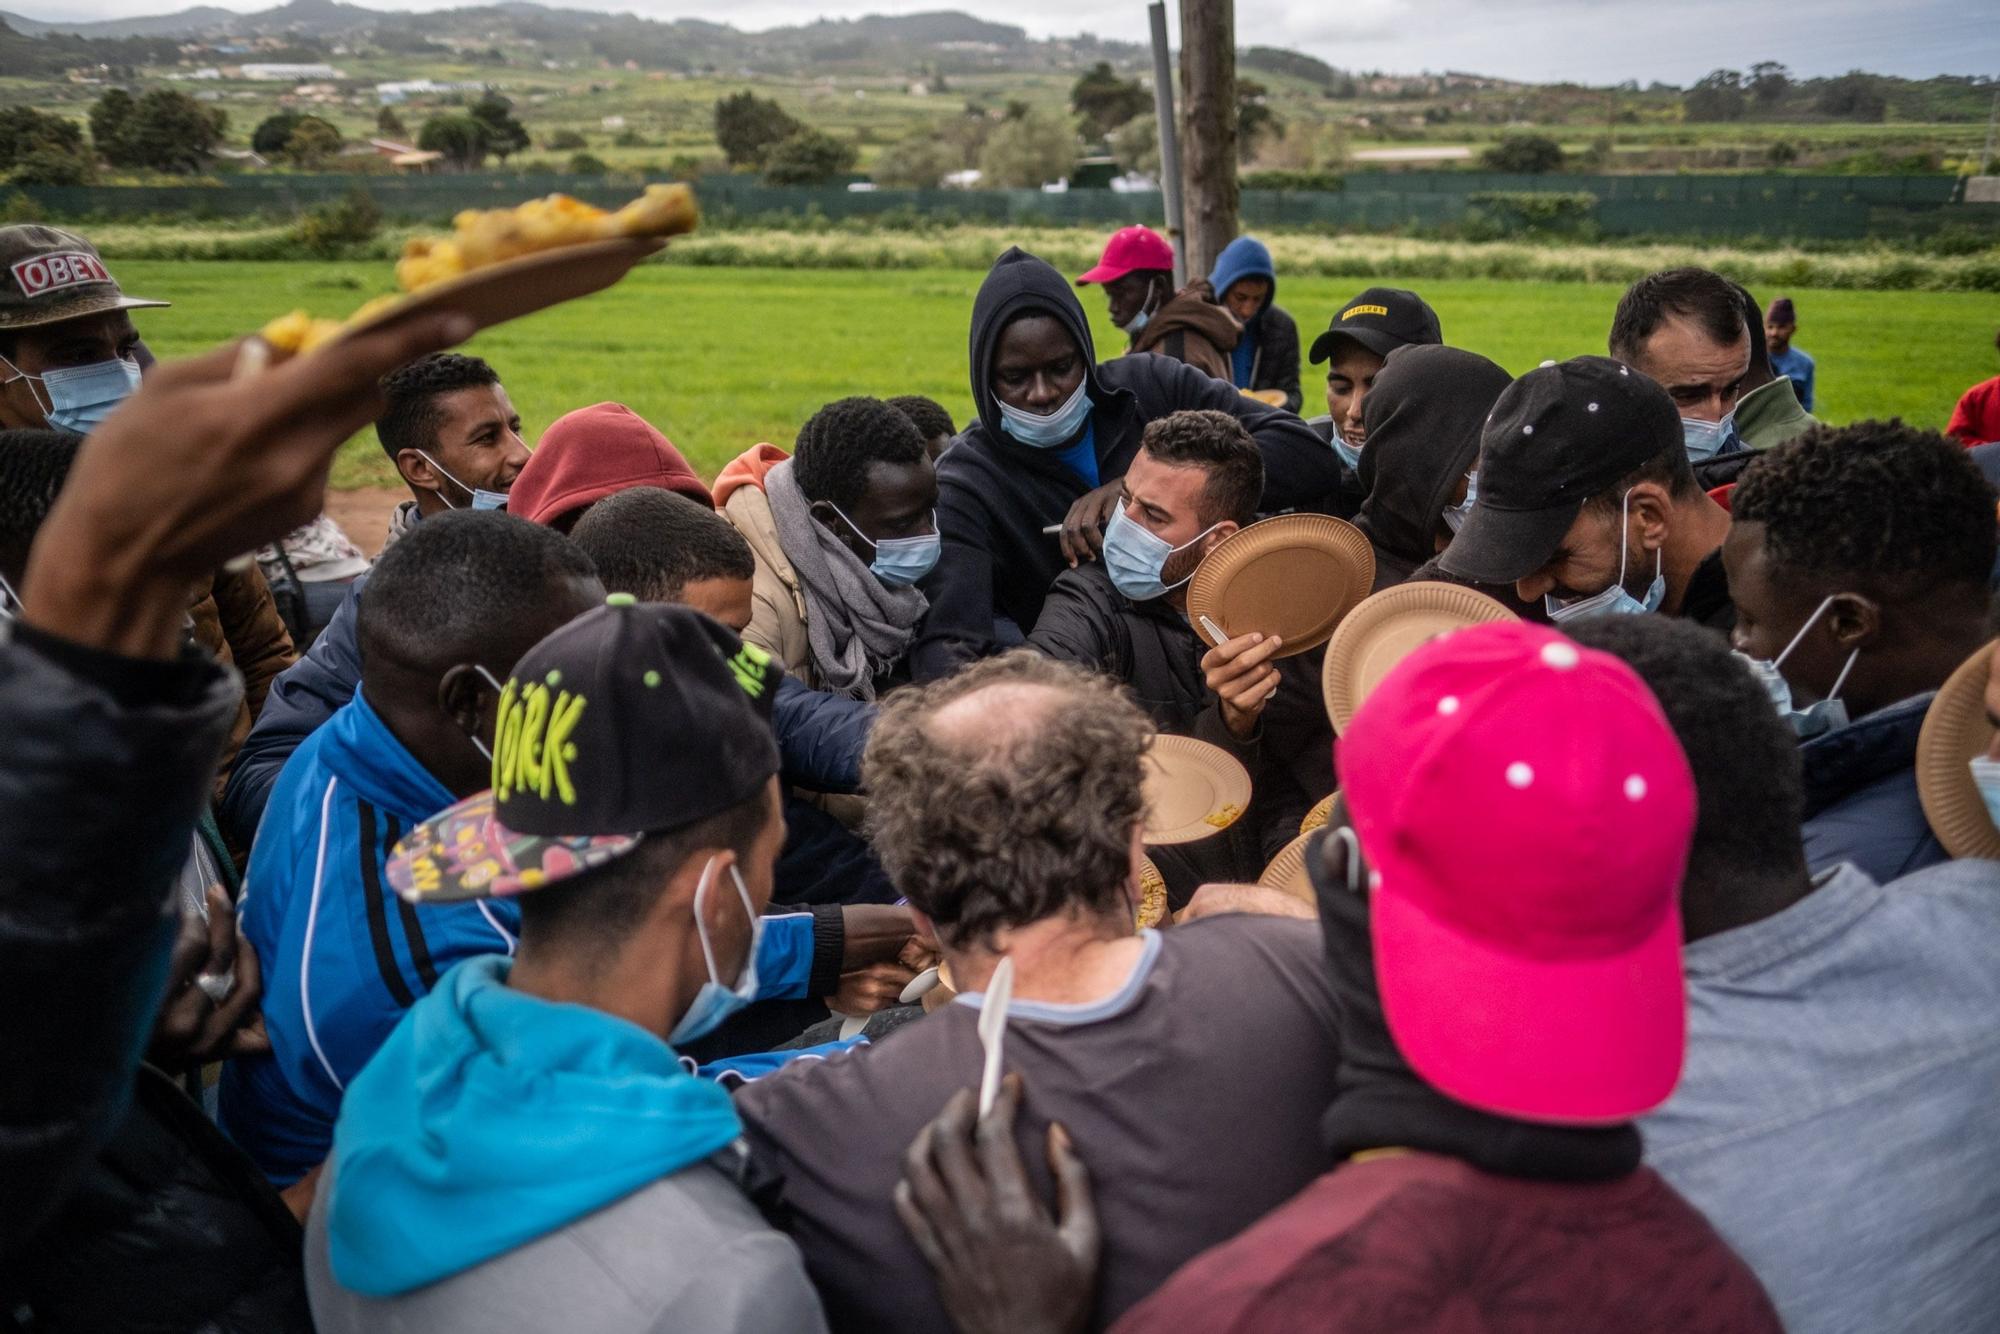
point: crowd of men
(544, 923)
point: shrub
(1493, 215)
(810, 157)
(566, 141)
(1028, 151)
(329, 229)
(587, 164)
(1524, 155)
(1321, 182)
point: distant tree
(1768, 84)
(1523, 154)
(919, 162)
(389, 123)
(1783, 153)
(629, 139)
(170, 131)
(810, 157)
(1103, 101)
(111, 125)
(1016, 109)
(1719, 96)
(273, 132)
(566, 141)
(461, 139)
(1136, 145)
(587, 164)
(748, 127)
(505, 135)
(1255, 121)
(313, 141)
(1032, 150)
(1852, 96)
(39, 149)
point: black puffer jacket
(172, 1230)
(107, 762)
(995, 495)
(1147, 645)
(1424, 416)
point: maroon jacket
(1424, 1244)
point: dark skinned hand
(1083, 526)
(1002, 1265)
(192, 1028)
(874, 933)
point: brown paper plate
(1316, 817)
(1293, 576)
(1274, 398)
(1193, 790)
(1955, 729)
(1287, 871)
(516, 287)
(1387, 628)
(1152, 894)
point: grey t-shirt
(1194, 1096)
(687, 1252)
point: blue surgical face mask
(481, 500)
(1136, 558)
(1454, 517)
(1349, 454)
(1704, 440)
(1145, 315)
(78, 398)
(1827, 715)
(715, 1002)
(1986, 776)
(1615, 601)
(900, 561)
(1056, 429)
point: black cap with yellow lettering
(631, 720)
(1381, 319)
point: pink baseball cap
(1130, 248)
(1525, 810)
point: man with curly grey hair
(1005, 803)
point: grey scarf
(856, 625)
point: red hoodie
(592, 453)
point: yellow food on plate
(298, 332)
(1152, 895)
(481, 237)
(1223, 818)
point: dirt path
(364, 513)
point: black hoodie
(995, 495)
(1424, 416)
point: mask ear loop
(1799, 638)
(498, 689)
(47, 405)
(700, 926)
(1352, 842)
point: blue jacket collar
(364, 754)
(1865, 751)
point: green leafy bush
(331, 229)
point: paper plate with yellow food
(1152, 894)
(500, 264)
(1269, 397)
(1193, 790)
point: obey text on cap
(51, 273)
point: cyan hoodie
(491, 1118)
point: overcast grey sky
(1595, 41)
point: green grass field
(722, 358)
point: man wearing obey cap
(1587, 503)
(1137, 270)
(1354, 347)
(1504, 936)
(527, 1135)
(67, 346)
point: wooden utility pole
(1208, 129)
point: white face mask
(715, 1001)
(1827, 715)
(481, 500)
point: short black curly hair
(926, 414)
(34, 464)
(1707, 298)
(408, 420)
(1744, 758)
(843, 440)
(1875, 504)
(1219, 445)
(653, 543)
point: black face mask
(1383, 1104)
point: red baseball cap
(595, 452)
(1526, 811)
(1130, 248)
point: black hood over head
(1423, 417)
(1018, 284)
